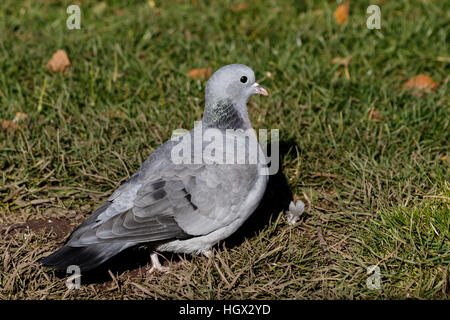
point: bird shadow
(276, 199)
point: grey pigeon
(184, 207)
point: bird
(179, 207)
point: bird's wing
(166, 201)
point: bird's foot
(207, 253)
(156, 265)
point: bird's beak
(260, 90)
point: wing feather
(165, 201)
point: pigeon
(180, 207)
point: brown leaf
(374, 115)
(201, 73)
(59, 62)
(99, 8)
(20, 116)
(443, 59)
(421, 82)
(341, 12)
(342, 61)
(240, 7)
(6, 124)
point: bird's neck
(226, 114)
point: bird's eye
(243, 79)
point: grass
(377, 189)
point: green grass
(377, 190)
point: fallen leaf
(6, 124)
(443, 59)
(59, 62)
(20, 116)
(240, 7)
(342, 61)
(201, 73)
(99, 8)
(341, 12)
(151, 4)
(421, 82)
(374, 115)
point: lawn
(368, 155)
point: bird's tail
(86, 258)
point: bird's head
(235, 82)
(226, 96)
